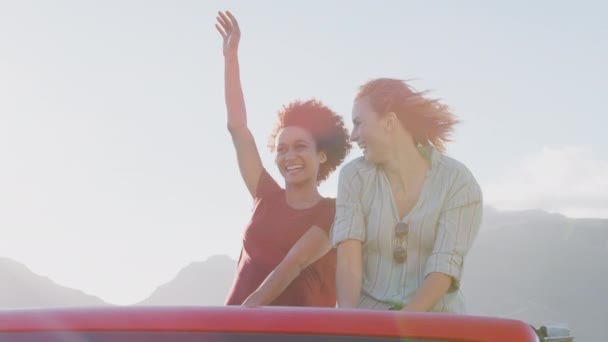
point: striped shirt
(442, 226)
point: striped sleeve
(458, 226)
(349, 222)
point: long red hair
(428, 120)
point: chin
(296, 181)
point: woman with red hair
(406, 214)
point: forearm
(349, 274)
(435, 286)
(233, 91)
(348, 288)
(276, 282)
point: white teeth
(293, 167)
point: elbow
(442, 283)
(293, 267)
(299, 266)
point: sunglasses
(399, 252)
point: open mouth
(293, 168)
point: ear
(322, 157)
(390, 121)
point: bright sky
(116, 169)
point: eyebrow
(295, 142)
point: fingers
(221, 31)
(227, 24)
(223, 28)
(224, 21)
(233, 20)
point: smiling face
(370, 132)
(297, 157)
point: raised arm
(247, 153)
(310, 247)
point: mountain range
(529, 265)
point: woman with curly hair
(406, 214)
(287, 257)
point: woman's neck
(302, 196)
(406, 164)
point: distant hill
(20, 287)
(528, 265)
(200, 283)
(541, 268)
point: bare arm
(310, 247)
(349, 274)
(247, 153)
(433, 288)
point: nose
(289, 155)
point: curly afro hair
(325, 126)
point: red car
(241, 324)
